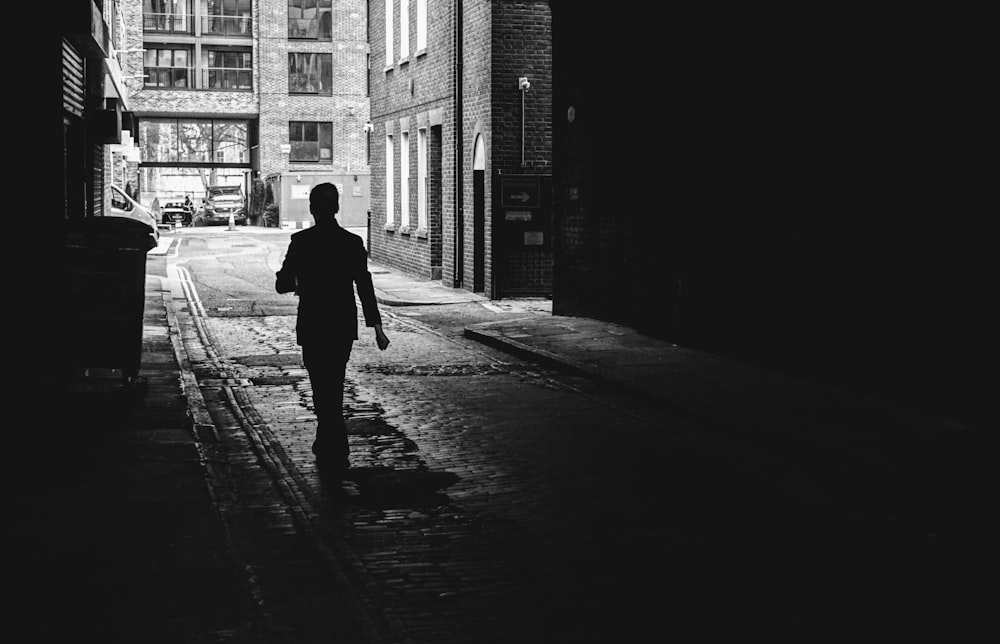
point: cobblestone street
(490, 500)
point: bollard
(232, 222)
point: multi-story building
(247, 91)
(461, 142)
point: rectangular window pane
(325, 142)
(158, 140)
(310, 74)
(167, 16)
(404, 178)
(404, 29)
(229, 68)
(422, 179)
(167, 68)
(421, 24)
(390, 181)
(194, 138)
(231, 141)
(389, 55)
(310, 141)
(309, 19)
(304, 151)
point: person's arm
(369, 305)
(285, 281)
(381, 339)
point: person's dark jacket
(322, 266)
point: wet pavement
(191, 510)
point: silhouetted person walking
(322, 266)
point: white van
(123, 205)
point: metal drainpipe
(459, 181)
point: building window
(421, 25)
(310, 74)
(227, 68)
(404, 178)
(404, 29)
(168, 68)
(227, 17)
(390, 182)
(311, 141)
(389, 54)
(194, 140)
(231, 141)
(310, 19)
(167, 16)
(422, 179)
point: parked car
(123, 205)
(222, 201)
(174, 211)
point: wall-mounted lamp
(350, 111)
(298, 178)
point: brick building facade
(292, 74)
(449, 118)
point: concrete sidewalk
(725, 393)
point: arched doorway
(479, 215)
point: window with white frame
(421, 25)
(422, 179)
(389, 54)
(404, 29)
(404, 178)
(390, 181)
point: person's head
(324, 201)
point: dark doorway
(435, 204)
(479, 231)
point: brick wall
(269, 105)
(511, 35)
(187, 101)
(413, 93)
(522, 47)
(346, 108)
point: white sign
(300, 191)
(286, 148)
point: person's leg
(326, 364)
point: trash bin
(106, 266)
